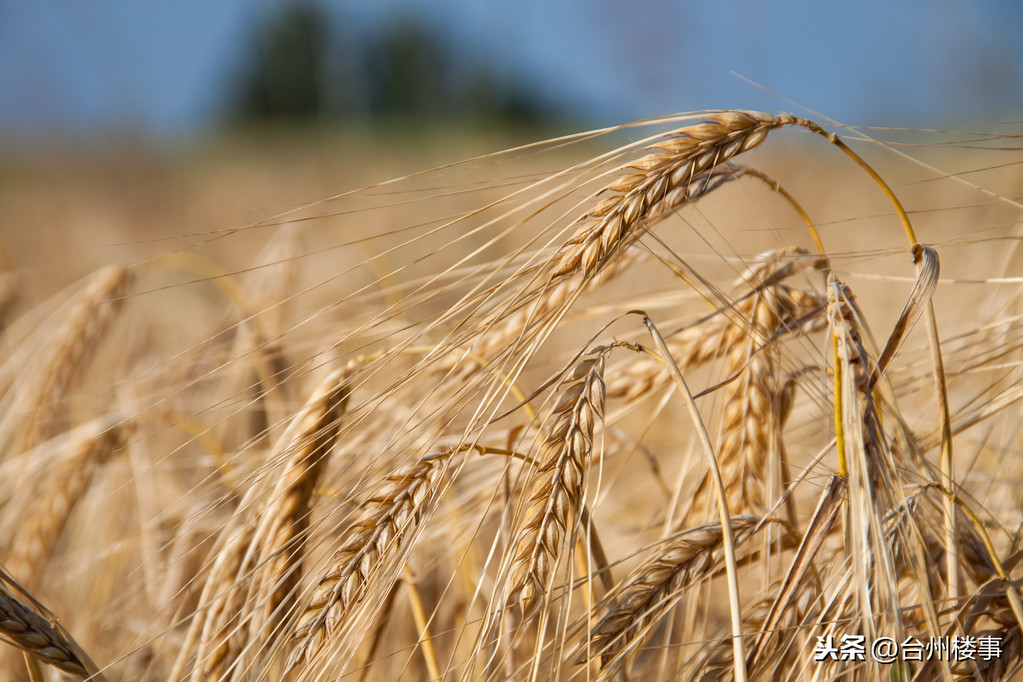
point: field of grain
(687, 400)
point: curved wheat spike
(257, 565)
(558, 480)
(23, 627)
(701, 182)
(370, 545)
(678, 168)
(64, 480)
(513, 323)
(655, 587)
(64, 355)
(684, 164)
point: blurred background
(191, 67)
(184, 116)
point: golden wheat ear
(251, 583)
(24, 627)
(559, 480)
(39, 403)
(391, 516)
(680, 166)
(484, 492)
(638, 604)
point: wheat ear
(677, 169)
(754, 413)
(513, 323)
(81, 453)
(729, 329)
(26, 629)
(391, 516)
(259, 560)
(65, 354)
(656, 586)
(558, 480)
(684, 165)
(708, 339)
(286, 523)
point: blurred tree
(285, 78)
(407, 71)
(305, 67)
(489, 97)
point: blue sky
(163, 66)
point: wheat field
(723, 395)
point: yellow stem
(1010, 591)
(776, 186)
(843, 470)
(35, 671)
(422, 624)
(945, 415)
